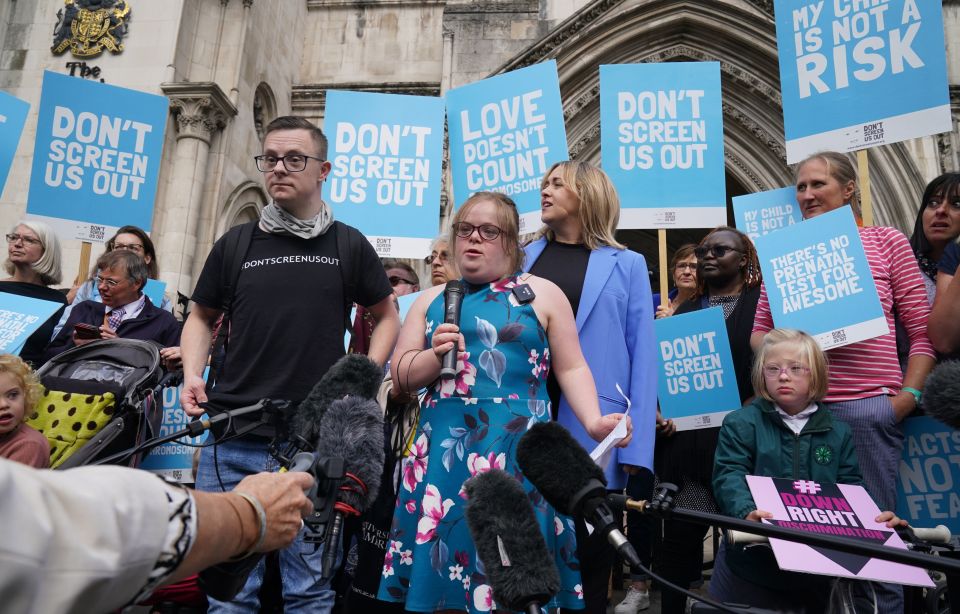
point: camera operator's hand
(284, 502)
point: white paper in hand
(601, 454)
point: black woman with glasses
(515, 328)
(728, 276)
(33, 263)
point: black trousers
(681, 560)
(596, 558)
(641, 528)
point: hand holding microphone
(452, 300)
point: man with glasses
(125, 312)
(284, 291)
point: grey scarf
(275, 220)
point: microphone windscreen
(352, 429)
(941, 393)
(353, 375)
(509, 542)
(557, 465)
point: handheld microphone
(570, 481)
(352, 429)
(941, 393)
(509, 542)
(452, 299)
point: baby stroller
(99, 399)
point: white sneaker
(635, 601)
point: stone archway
(242, 205)
(740, 34)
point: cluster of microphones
(338, 436)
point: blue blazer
(615, 323)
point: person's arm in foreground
(385, 330)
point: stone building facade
(230, 66)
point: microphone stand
(267, 407)
(662, 506)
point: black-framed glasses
(14, 237)
(294, 163)
(396, 281)
(717, 251)
(133, 247)
(488, 232)
(773, 371)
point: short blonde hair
(507, 219)
(48, 266)
(811, 355)
(27, 380)
(599, 203)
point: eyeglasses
(14, 237)
(773, 371)
(294, 163)
(441, 256)
(396, 281)
(133, 247)
(488, 232)
(717, 251)
(110, 283)
(684, 266)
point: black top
(33, 348)
(564, 264)
(689, 454)
(286, 321)
(950, 259)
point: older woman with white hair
(33, 261)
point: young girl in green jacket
(785, 432)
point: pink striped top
(870, 368)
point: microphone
(452, 299)
(352, 429)
(509, 542)
(352, 375)
(570, 481)
(941, 393)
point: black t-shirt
(950, 259)
(564, 264)
(32, 351)
(287, 318)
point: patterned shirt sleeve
(909, 293)
(763, 320)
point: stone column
(201, 110)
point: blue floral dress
(467, 426)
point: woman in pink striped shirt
(867, 389)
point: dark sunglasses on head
(396, 281)
(717, 251)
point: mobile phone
(86, 331)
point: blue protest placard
(818, 280)
(20, 317)
(928, 488)
(763, 212)
(154, 289)
(96, 157)
(860, 74)
(505, 132)
(696, 385)
(386, 153)
(13, 115)
(661, 142)
(174, 459)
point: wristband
(916, 393)
(261, 518)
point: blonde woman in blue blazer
(608, 287)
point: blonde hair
(507, 219)
(810, 355)
(599, 211)
(48, 266)
(27, 380)
(840, 168)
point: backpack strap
(348, 252)
(237, 243)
